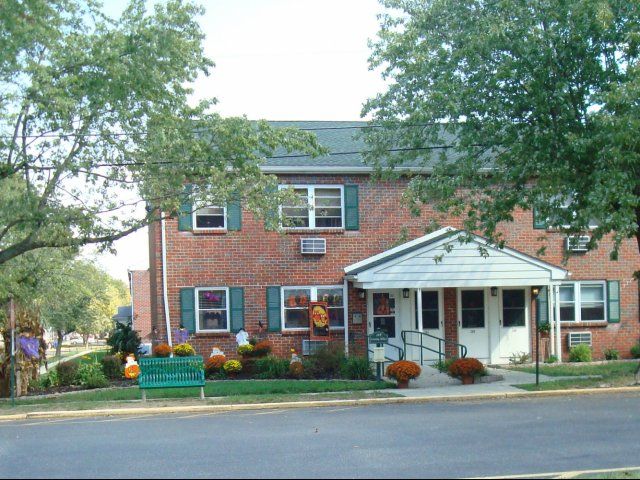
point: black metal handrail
(441, 343)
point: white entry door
(514, 334)
(473, 329)
(384, 314)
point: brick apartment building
(358, 249)
(140, 290)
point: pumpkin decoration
(131, 369)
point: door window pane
(384, 313)
(430, 313)
(472, 311)
(386, 324)
(513, 308)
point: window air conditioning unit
(313, 246)
(577, 243)
(309, 347)
(579, 338)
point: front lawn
(241, 388)
(580, 369)
(610, 374)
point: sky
(275, 60)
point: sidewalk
(431, 383)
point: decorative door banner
(30, 346)
(319, 320)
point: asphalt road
(525, 436)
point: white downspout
(345, 296)
(165, 294)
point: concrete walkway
(432, 383)
(51, 365)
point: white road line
(565, 474)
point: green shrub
(325, 363)
(356, 368)
(551, 359)
(90, 375)
(50, 379)
(580, 353)
(271, 367)
(111, 367)
(66, 373)
(124, 340)
(443, 365)
(635, 351)
(519, 358)
(611, 354)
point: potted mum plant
(466, 369)
(232, 367)
(403, 371)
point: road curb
(310, 404)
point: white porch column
(556, 298)
(345, 299)
(550, 316)
(419, 312)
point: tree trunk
(85, 340)
(60, 334)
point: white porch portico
(457, 286)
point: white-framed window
(566, 206)
(210, 218)
(583, 302)
(320, 207)
(212, 309)
(295, 305)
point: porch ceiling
(445, 259)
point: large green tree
(531, 104)
(95, 113)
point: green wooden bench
(171, 372)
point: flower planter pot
(468, 380)
(403, 383)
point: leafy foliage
(326, 362)
(124, 340)
(271, 367)
(95, 113)
(184, 350)
(551, 359)
(611, 354)
(580, 353)
(112, 367)
(66, 373)
(356, 368)
(463, 367)
(90, 375)
(635, 351)
(403, 370)
(543, 94)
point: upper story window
(320, 206)
(210, 218)
(552, 224)
(583, 302)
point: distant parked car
(76, 341)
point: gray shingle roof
(341, 138)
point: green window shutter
(542, 307)
(185, 217)
(234, 214)
(539, 223)
(613, 296)
(273, 309)
(188, 308)
(236, 303)
(351, 207)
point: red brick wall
(141, 300)
(254, 259)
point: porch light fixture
(535, 291)
(361, 294)
(405, 293)
(494, 291)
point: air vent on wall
(577, 243)
(579, 338)
(313, 246)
